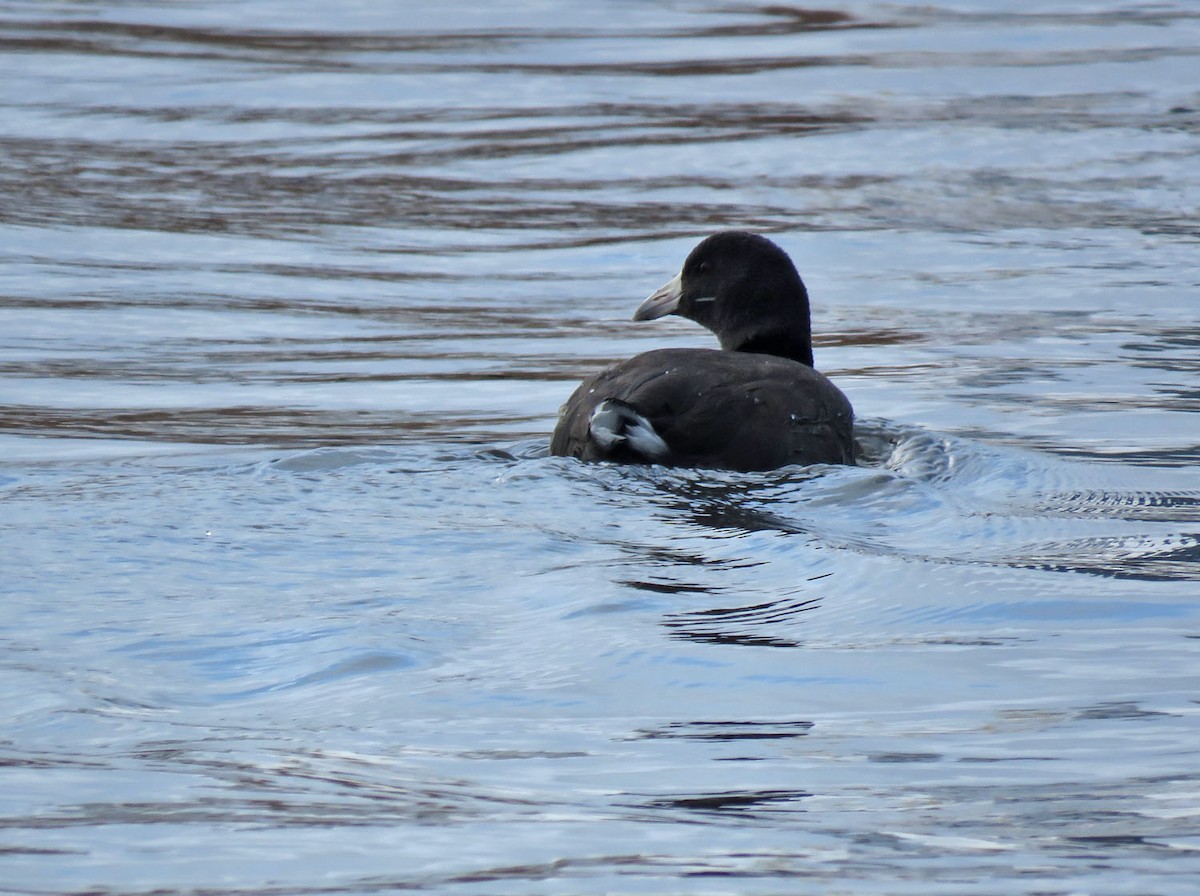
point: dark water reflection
(294, 600)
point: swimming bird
(754, 404)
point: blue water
(294, 600)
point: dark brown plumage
(755, 404)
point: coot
(755, 404)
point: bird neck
(782, 325)
(784, 345)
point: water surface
(294, 600)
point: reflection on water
(295, 599)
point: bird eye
(704, 267)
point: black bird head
(743, 288)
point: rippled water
(294, 600)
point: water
(294, 600)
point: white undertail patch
(613, 424)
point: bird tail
(621, 432)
